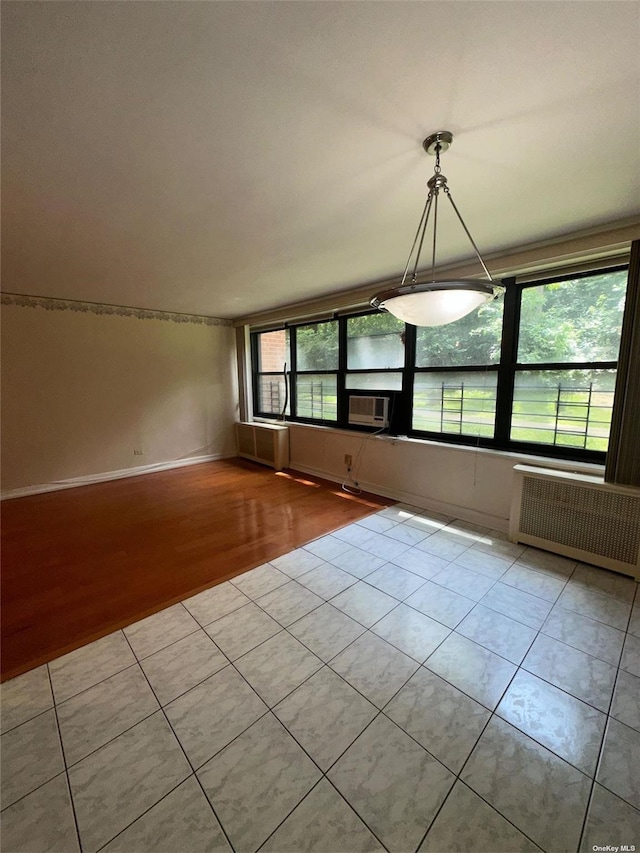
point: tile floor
(407, 683)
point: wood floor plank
(80, 563)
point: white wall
(465, 482)
(82, 391)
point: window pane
(577, 320)
(374, 382)
(474, 339)
(458, 403)
(273, 351)
(375, 341)
(272, 395)
(570, 408)
(317, 397)
(317, 346)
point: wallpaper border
(51, 304)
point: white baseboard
(463, 513)
(74, 482)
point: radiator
(265, 443)
(577, 515)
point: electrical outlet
(348, 460)
(138, 452)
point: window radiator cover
(590, 521)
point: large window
(271, 356)
(456, 374)
(316, 371)
(375, 353)
(568, 342)
(533, 371)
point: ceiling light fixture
(434, 303)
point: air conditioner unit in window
(371, 411)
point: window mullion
(343, 407)
(293, 378)
(508, 358)
(404, 401)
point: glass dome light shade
(435, 303)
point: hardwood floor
(80, 563)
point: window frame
(401, 402)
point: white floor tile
(256, 781)
(297, 562)
(25, 697)
(393, 783)
(215, 603)
(327, 580)
(375, 668)
(325, 715)
(482, 829)
(327, 547)
(539, 793)
(89, 665)
(395, 581)
(631, 655)
(31, 756)
(42, 821)
(243, 630)
(517, 604)
(289, 603)
(441, 718)
(582, 675)
(412, 632)
(420, 563)
(441, 604)
(160, 630)
(322, 822)
(115, 785)
(364, 603)
(96, 716)
(326, 631)
(626, 700)
(609, 818)
(618, 770)
(357, 562)
(600, 580)
(463, 581)
(565, 725)
(277, 667)
(209, 716)
(475, 670)
(259, 581)
(535, 583)
(181, 821)
(595, 638)
(498, 633)
(179, 667)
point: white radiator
(266, 443)
(577, 515)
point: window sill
(587, 468)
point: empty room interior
(320, 427)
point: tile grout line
(64, 763)
(493, 713)
(605, 732)
(193, 771)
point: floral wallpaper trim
(117, 310)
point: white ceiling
(228, 157)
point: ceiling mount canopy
(434, 303)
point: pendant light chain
(439, 301)
(436, 191)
